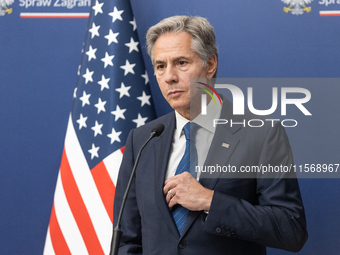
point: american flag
(112, 97)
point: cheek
(162, 86)
(195, 72)
(201, 71)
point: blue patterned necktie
(187, 163)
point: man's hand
(185, 190)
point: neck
(193, 111)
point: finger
(169, 185)
(171, 193)
(171, 179)
(175, 180)
(168, 197)
(166, 189)
(172, 202)
(179, 178)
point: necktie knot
(190, 130)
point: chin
(179, 105)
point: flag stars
(103, 69)
(75, 92)
(97, 8)
(118, 113)
(144, 99)
(116, 14)
(114, 136)
(104, 83)
(85, 99)
(111, 37)
(94, 151)
(146, 77)
(133, 23)
(132, 45)
(107, 60)
(97, 128)
(88, 76)
(78, 72)
(94, 30)
(128, 68)
(82, 121)
(100, 106)
(91, 53)
(140, 121)
(123, 91)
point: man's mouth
(175, 93)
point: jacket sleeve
(277, 219)
(130, 242)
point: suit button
(182, 245)
(228, 233)
(218, 230)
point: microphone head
(158, 129)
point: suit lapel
(162, 147)
(222, 145)
(221, 149)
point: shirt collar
(213, 112)
(204, 121)
(180, 122)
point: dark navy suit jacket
(246, 214)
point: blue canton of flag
(113, 94)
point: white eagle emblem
(4, 8)
(297, 7)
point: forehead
(173, 45)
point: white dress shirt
(203, 138)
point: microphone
(117, 233)
(157, 130)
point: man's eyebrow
(173, 60)
(159, 62)
(181, 58)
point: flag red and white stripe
(81, 219)
(112, 97)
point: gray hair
(202, 33)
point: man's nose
(171, 74)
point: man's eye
(182, 63)
(160, 66)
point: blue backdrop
(39, 60)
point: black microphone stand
(117, 233)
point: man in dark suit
(223, 213)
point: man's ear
(211, 66)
